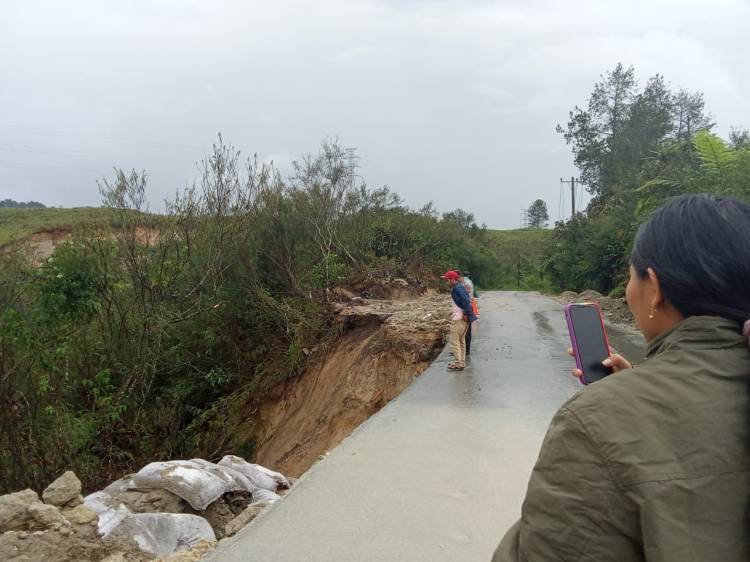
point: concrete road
(441, 471)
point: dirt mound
(615, 310)
(382, 284)
(385, 346)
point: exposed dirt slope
(386, 345)
(42, 244)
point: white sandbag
(283, 481)
(111, 519)
(260, 476)
(163, 534)
(262, 496)
(103, 500)
(98, 502)
(235, 480)
(198, 482)
(121, 485)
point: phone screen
(590, 341)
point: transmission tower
(352, 159)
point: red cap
(450, 275)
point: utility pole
(572, 183)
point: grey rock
(250, 513)
(65, 489)
(80, 515)
(75, 502)
(47, 516)
(13, 510)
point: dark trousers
(468, 339)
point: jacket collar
(698, 332)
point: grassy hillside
(514, 255)
(521, 236)
(18, 224)
(521, 255)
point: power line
(102, 169)
(97, 135)
(55, 151)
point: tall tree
(537, 214)
(592, 132)
(624, 125)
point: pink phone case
(572, 333)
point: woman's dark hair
(699, 246)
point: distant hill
(10, 204)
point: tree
(11, 204)
(625, 129)
(688, 115)
(593, 132)
(538, 215)
(462, 219)
(739, 138)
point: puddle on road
(542, 323)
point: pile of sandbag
(197, 482)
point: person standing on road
(468, 284)
(652, 463)
(461, 316)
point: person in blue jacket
(461, 316)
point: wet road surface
(441, 471)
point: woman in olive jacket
(653, 462)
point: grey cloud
(446, 100)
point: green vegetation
(636, 148)
(19, 224)
(149, 336)
(153, 337)
(518, 259)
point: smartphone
(589, 340)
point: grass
(520, 236)
(19, 224)
(521, 255)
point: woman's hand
(615, 361)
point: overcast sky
(450, 101)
